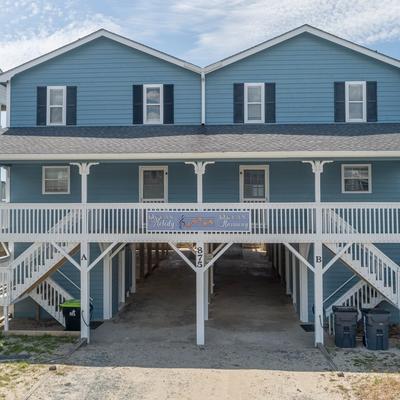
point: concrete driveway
(255, 347)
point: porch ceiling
(180, 141)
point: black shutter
(238, 103)
(41, 105)
(137, 104)
(168, 104)
(340, 102)
(71, 105)
(269, 95)
(372, 102)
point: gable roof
(5, 76)
(296, 32)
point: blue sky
(197, 30)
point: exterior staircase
(29, 275)
(49, 295)
(379, 275)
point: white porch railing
(273, 222)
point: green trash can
(345, 326)
(72, 313)
(376, 329)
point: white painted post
(121, 286)
(107, 284)
(85, 292)
(317, 168)
(287, 271)
(200, 293)
(318, 294)
(133, 283)
(206, 285)
(6, 319)
(294, 281)
(303, 271)
(84, 171)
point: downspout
(203, 98)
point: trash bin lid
(73, 303)
(375, 311)
(344, 309)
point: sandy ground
(255, 348)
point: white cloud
(199, 31)
(246, 23)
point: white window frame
(364, 91)
(44, 168)
(150, 86)
(243, 168)
(246, 103)
(48, 106)
(344, 166)
(144, 168)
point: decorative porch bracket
(199, 170)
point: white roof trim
(296, 32)
(232, 155)
(5, 76)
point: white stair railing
(370, 263)
(33, 263)
(50, 295)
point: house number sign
(198, 221)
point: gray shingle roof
(242, 139)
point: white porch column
(107, 284)
(303, 277)
(287, 271)
(121, 276)
(318, 168)
(84, 171)
(294, 281)
(200, 274)
(133, 283)
(206, 284)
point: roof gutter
(231, 155)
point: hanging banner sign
(198, 221)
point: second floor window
(356, 102)
(56, 105)
(254, 102)
(153, 104)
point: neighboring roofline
(295, 32)
(5, 76)
(231, 155)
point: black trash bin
(72, 314)
(345, 326)
(376, 329)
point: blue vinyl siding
(104, 72)
(304, 69)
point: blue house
(114, 150)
